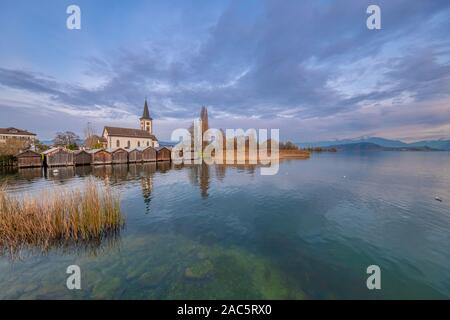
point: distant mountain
(386, 142)
(435, 144)
(382, 142)
(47, 142)
(360, 146)
(376, 140)
(369, 146)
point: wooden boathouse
(29, 159)
(135, 155)
(163, 154)
(100, 156)
(149, 154)
(82, 158)
(58, 157)
(119, 155)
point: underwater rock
(30, 287)
(154, 276)
(106, 289)
(201, 255)
(199, 270)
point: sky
(309, 68)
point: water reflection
(102, 172)
(35, 179)
(225, 232)
(147, 172)
(31, 173)
(109, 241)
(164, 166)
(199, 175)
(220, 171)
(82, 171)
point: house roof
(15, 131)
(129, 133)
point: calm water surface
(227, 232)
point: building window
(128, 144)
(118, 143)
(139, 143)
(148, 143)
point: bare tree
(204, 118)
(13, 146)
(66, 139)
(89, 130)
(91, 140)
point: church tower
(146, 121)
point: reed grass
(58, 217)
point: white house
(14, 133)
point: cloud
(308, 62)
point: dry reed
(58, 217)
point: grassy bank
(58, 217)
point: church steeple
(146, 120)
(146, 113)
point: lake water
(309, 232)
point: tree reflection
(148, 171)
(118, 174)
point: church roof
(129, 133)
(146, 113)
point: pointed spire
(204, 118)
(146, 113)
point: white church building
(129, 138)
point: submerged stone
(106, 288)
(154, 276)
(199, 270)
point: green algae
(199, 270)
(163, 267)
(107, 288)
(235, 273)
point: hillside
(369, 146)
(365, 143)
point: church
(128, 138)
